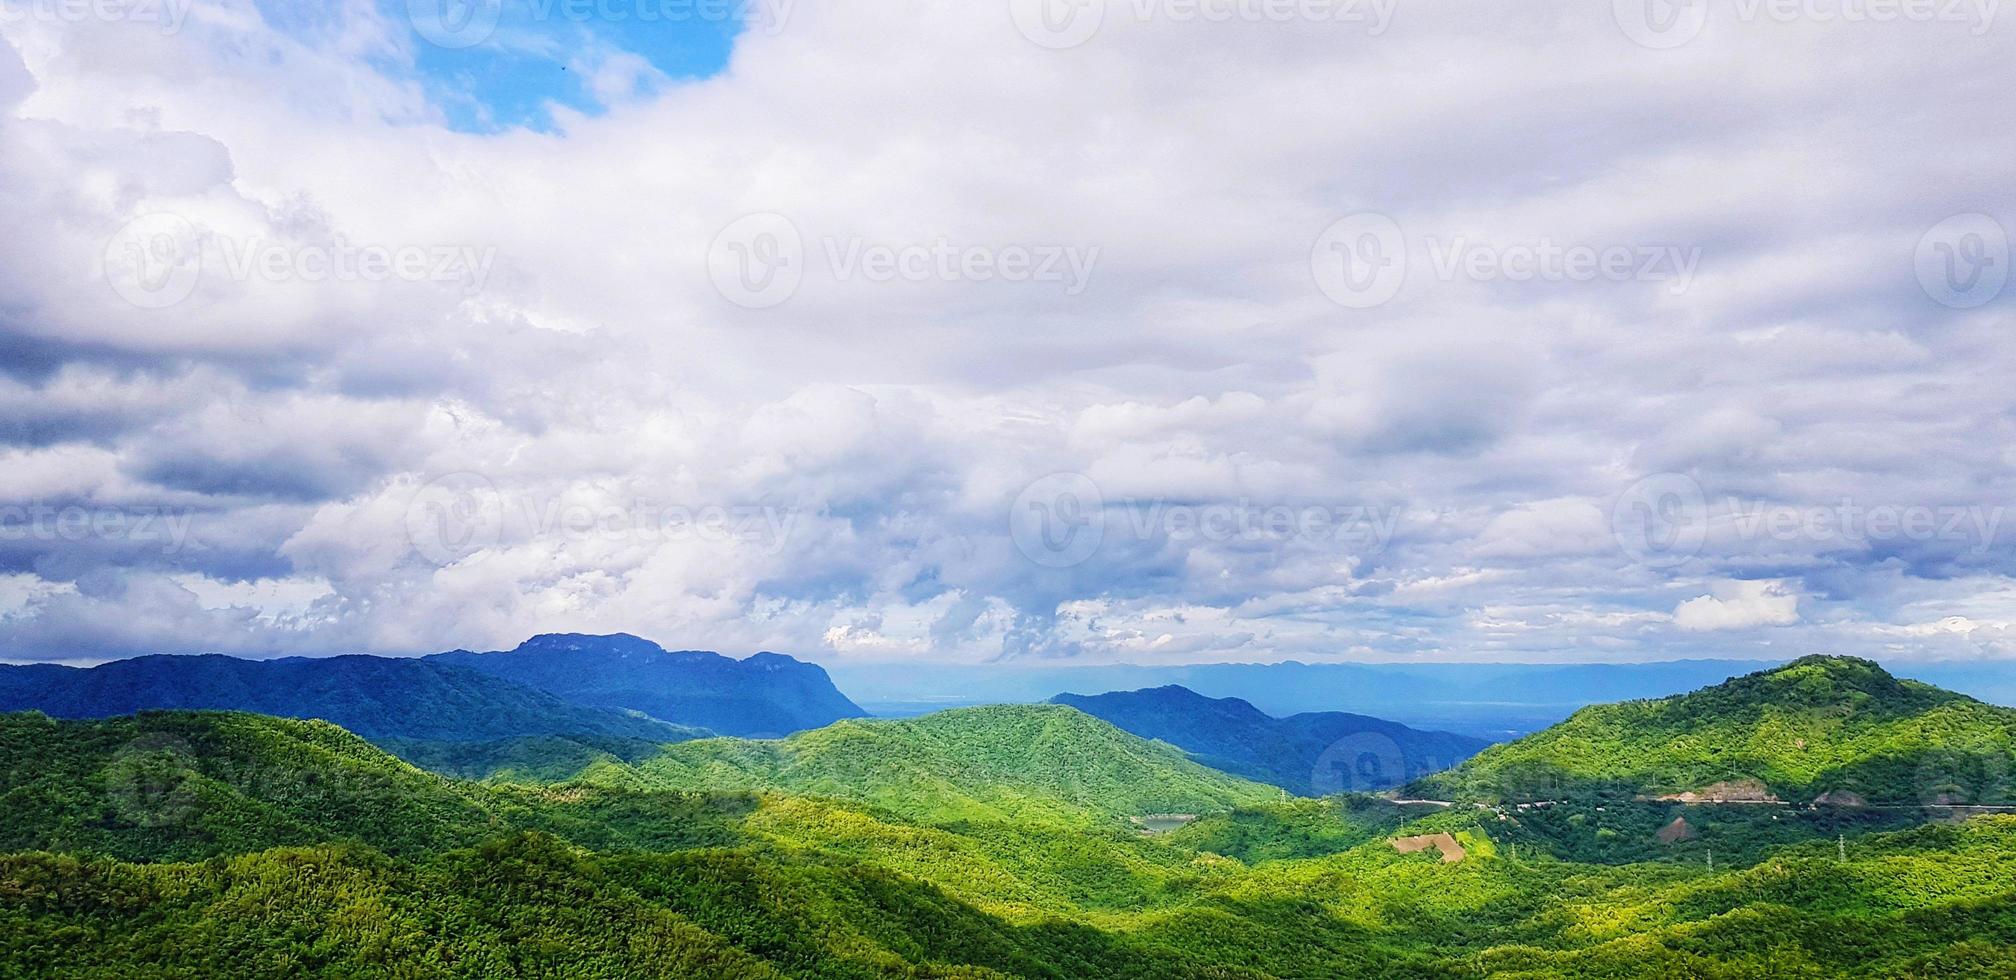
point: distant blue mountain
(766, 695)
(1312, 754)
(1494, 700)
(376, 697)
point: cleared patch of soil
(1731, 791)
(1676, 831)
(1451, 851)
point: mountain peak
(1835, 664)
(617, 643)
(1818, 680)
(1818, 725)
(1167, 694)
(766, 695)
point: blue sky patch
(498, 64)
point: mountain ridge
(1309, 753)
(763, 695)
(1820, 726)
(376, 697)
(617, 686)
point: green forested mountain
(1833, 726)
(166, 785)
(174, 785)
(1930, 903)
(1021, 763)
(980, 844)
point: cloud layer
(1344, 332)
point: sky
(1026, 331)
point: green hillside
(175, 784)
(1296, 828)
(1931, 902)
(526, 759)
(1820, 725)
(974, 844)
(181, 785)
(1045, 764)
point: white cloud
(1739, 605)
(880, 428)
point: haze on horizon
(877, 332)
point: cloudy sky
(1158, 331)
